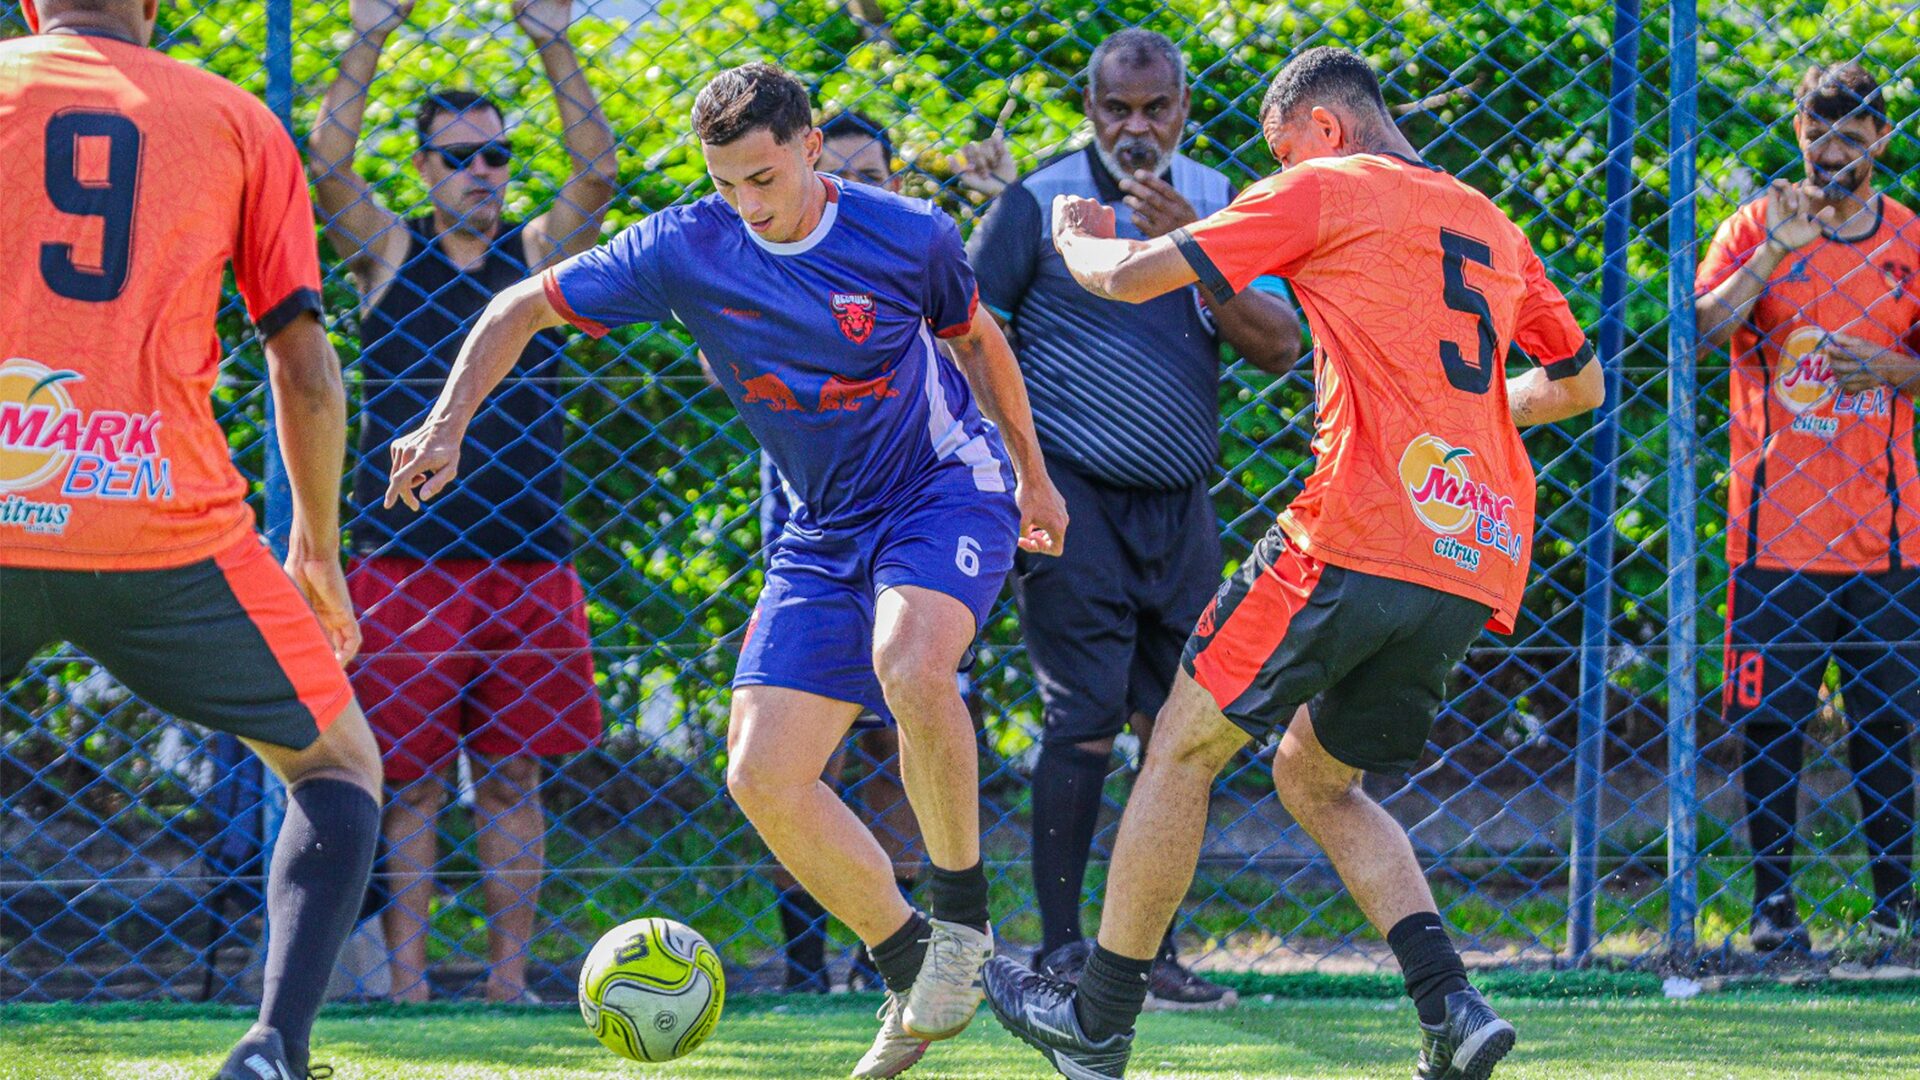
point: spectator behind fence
(133, 181)
(1126, 403)
(1812, 283)
(859, 150)
(476, 631)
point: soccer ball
(652, 990)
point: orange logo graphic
(1802, 378)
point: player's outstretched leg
(920, 638)
(1462, 1038)
(1086, 1033)
(778, 743)
(315, 887)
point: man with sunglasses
(475, 626)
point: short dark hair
(439, 102)
(1834, 93)
(851, 124)
(1323, 76)
(749, 97)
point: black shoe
(261, 1056)
(1468, 1045)
(1776, 926)
(1173, 987)
(1066, 963)
(1895, 922)
(1040, 1011)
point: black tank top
(506, 502)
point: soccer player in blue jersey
(818, 304)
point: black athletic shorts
(1369, 656)
(228, 642)
(1104, 624)
(1783, 627)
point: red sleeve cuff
(954, 331)
(551, 285)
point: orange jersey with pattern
(1823, 480)
(1415, 286)
(132, 181)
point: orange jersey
(1823, 480)
(1415, 286)
(132, 180)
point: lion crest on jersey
(854, 312)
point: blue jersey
(825, 344)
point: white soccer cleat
(948, 989)
(893, 1051)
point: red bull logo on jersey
(1447, 499)
(769, 390)
(854, 313)
(90, 453)
(844, 394)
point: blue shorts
(812, 629)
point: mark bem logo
(91, 454)
(854, 311)
(1802, 378)
(1447, 499)
(1803, 383)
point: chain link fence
(1584, 798)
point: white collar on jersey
(811, 240)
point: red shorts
(490, 655)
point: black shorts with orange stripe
(1368, 655)
(228, 642)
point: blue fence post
(1596, 595)
(1683, 749)
(279, 494)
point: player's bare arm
(1259, 325)
(1793, 222)
(362, 231)
(572, 225)
(1127, 270)
(988, 362)
(428, 458)
(1533, 397)
(310, 417)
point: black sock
(803, 921)
(1067, 784)
(959, 896)
(314, 891)
(1429, 963)
(1770, 777)
(900, 956)
(1113, 989)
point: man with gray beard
(1126, 405)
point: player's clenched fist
(1043, 516)
(378, 18)
(1087, 217)
(427, 458)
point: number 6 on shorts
(967, 557)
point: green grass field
(1773, 1033)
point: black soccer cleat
(1776, 926)
(1040, 1011)
(1468, 1045)
(260, 1055)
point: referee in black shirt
(1126, 403)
